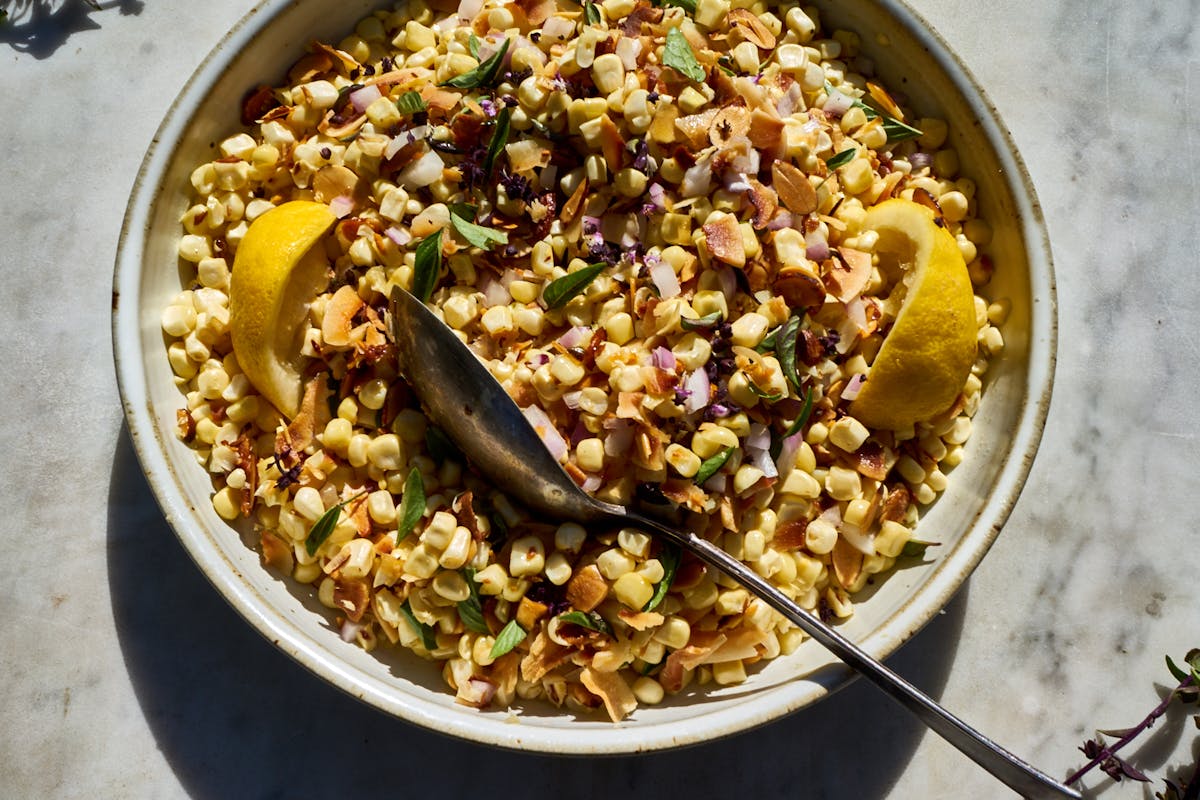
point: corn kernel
(820, 536)
(614, 562)
(633, 590)
(528, 556)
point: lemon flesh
(926, 357)
(277, 272)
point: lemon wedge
(926, 357)
(277, 272)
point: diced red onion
(787, 452)
(759, 437)
(341, 206)
(619, 439)
(747, 160)
(591, 224)
(817, 248)
(477, 691)
(782, 219)
(546, 431)
(665, 280)
(697, 180)
(837, 104)
(557, 27)
(716, 483)
(662, 358)
(579, 434)
(790, 101)
(571, 399)
(833, 515)
(469, 9)
(350, 630)
(494, 293)
(854, 386)
(856, 311)
(847, 335)
(361, 98)
(920, 160)
(728, 283)
(736, 182)
(658, 195)
(424, 171)
(698, 387)
(398, 235)
(591, 483)
(404, 138)
(762, 460)
(573, 337)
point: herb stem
(1109, 750)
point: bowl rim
(498, 730)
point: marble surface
(125, 675)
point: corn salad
(648, 223)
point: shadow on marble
(235, 717)
(41, 27)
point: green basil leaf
(916, 547)
(802, 417)
(687, 5)
(483, 75)
(440, 447)
(464, 210)
(427, 636)
(587, 619)
(591, 14)
(768, 342)
(428, 266)
(785, 349)
(499, 139)
(410, 103)
(325, 524)
(670, 562)
(648, 668)
(711, 465)
(478, 235)
(473, 45)
(897, 131)
(412, 503)
(678, 54)
(509, 637)
(560, 291)
(700, 323)
(842, 159)
(470, 611)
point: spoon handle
(1018, 775)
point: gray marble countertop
(126, 675)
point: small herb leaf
(591, 14)
(842, 159)
(559, 292)
(897, 131)
(677, 53)
(410, 103)
(484, 74)
(499, 139)
(427, 637)
(669, 559)
(803, 415)
(785, 348)
(712, 465)
(428, 266)
(758, 391)
(509, 637)
(586, 619)
(325, 524)
(473, 46)
(916, 547)
(412, 503)
(700, 323)
(478, 235)
(470, 611)
(687, 5)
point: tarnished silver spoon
(463, 398)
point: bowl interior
(909, 59)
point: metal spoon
(463, 398)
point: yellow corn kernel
(634, 542)
(690, 101)
(633, 590)
(848, 434)
(891, 538)
(439, 531)
(589, 455)
(820, 536)
(614, 562)
(842, 483)
(710, 439)
(727, 673)
(682, 460)
(491, 579)
(558, 569)
(381, 507)
(528, 556)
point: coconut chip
(612, 689)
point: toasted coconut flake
(339, 56)
(339, 316)
(765, 203)
(629, 406)
(352, 597)
(642, 620)
(790, 535)
(526, 154)
(612, 145)
(695, 127)
(529, 612)
(611, 688)
(337, 181)
(847, 563)
(544, 655)
(800, 287)
(925, 197)
(335, 130)
(724, 240)
(849, 274)
(874, 460)
(884, 99)
(698, 648)
(537, 11)
(739, 644)
(793, 188)
(439, 98)
(310, 66)
(895, 505)
(276, 552)
(574, 204)
(475, 692)
(587, 588)
(297, 436)
(752, 29)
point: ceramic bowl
(911, 58)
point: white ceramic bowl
(910, 58)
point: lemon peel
(277, 272)
(926, 357)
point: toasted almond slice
(765, 130)
(544, 655)
(751, 28)
(611, 688)
(800, 287)
(724, 240)
(739, 644)
(695, 127)
(340, 56)
(896, 505)
(790, 535)
(352, 597)
(291, 442)
(526, 154)
(849, 274)
(310, 66)
(276, 553)
(793, 188)
(339, 316)
(338, 181)
(611, 144)
(765, 203)
(571, 208)
(884, 99)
